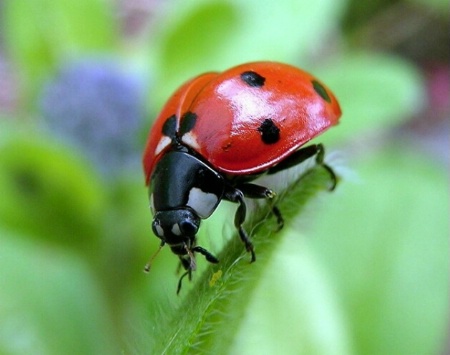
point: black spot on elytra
(169, 128)
(318, 87)
(270, 133)
(253, 79)
(188, 121)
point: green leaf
(376, 91)
(51, 304)
(48, 191)
(83, 25)
(385, 244)
(439, 6)
(222, 295)
(27, 42)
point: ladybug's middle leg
(257, 191)
(235, 195)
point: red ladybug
(218, 132)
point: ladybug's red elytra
(220, 131)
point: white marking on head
(190, 139)
(203, 203)
(159, 230)
(162, 144)
(176, 229)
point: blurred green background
(362, 271)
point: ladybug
(220, 131)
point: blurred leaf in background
(48, 192)
(361, 271)
(41, 34)
(389, 263)
(50, 303)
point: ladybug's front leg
(235, 195)
(189, 264)
(209, 257)
(180, 281)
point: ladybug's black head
(183, 191)
(177, 228)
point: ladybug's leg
(280, 220)
(300, 156)
(257, 191)
(180, 281)
(211, 258)
(188, 266)
(235, 195)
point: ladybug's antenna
(149, 264)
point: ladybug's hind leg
(303, 154)
(280, 220)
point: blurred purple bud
(98, 107)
